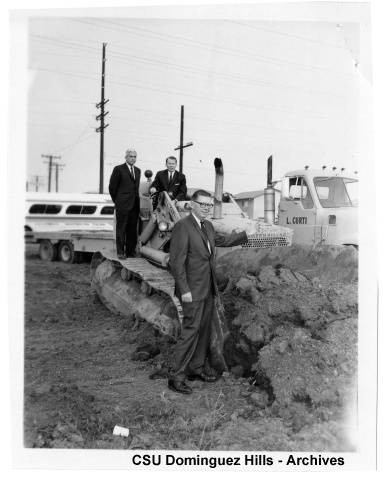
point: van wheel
(48, 251)
(66, 252)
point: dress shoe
(204, 377)
(121, 256)
(178, 386)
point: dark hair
(170, 158)
(202, 193)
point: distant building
(252, 203)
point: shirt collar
(197, 219)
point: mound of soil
(292, 317)
(327, 263)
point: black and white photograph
(196, 271)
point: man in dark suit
(192, 252)
(124, 190)
(170, 180)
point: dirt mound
(291, 314)
(307, 369)
(326, 263)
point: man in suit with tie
(170, 180)
(124, 190)
(192, 252)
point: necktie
(131, 169)
(204, 233)
(170, 177)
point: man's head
(201, 203)
(130, 157)
(171, 163)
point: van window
(50, 209)
(37, 208)
(73, 210)
(108, 210)
(88, 209)
(53, 209)
(81, 209)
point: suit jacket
(191, 263)
(123, 188)
(177, 187)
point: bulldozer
(143, 285)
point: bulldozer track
(158, 279)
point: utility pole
(181, 145)
(36, 182)
(58, 167)
(50, 164)
(101, 117)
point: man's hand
(187, 297)
(152, 190)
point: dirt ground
(87, 370)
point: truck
(320, 206)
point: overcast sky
(250, 89)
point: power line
(81, 138)
(62, 114)
(214, 99)
(64, 43)
(284, 34)
(50, 125)
(211, 120)
(60, 72)
(55, 54)
(180, 92)
(218, 49)
(57, 100)
(169, 121)
(188, 70)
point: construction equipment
(143, 286)
(319, 205)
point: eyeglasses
(205, 205)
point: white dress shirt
(199, 224)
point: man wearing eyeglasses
(192, 252)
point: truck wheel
(47, 251)
(66, 252)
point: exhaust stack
(218, 190)
(269, 194)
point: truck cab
(321, 207)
